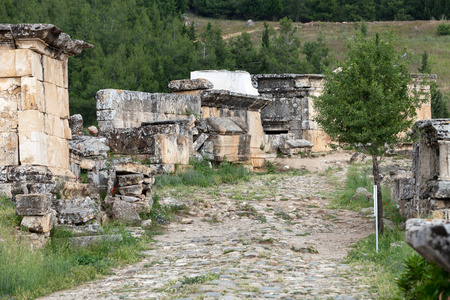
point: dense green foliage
(443, 29)
(323, 10)
(367, 103)
(423, 280)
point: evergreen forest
(143, 44)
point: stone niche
(34, 99)
(427, 192)
(291, 110)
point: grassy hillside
(416, 36)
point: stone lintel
(43, 38)
(233, 100)
(190, 85)
(430, 238)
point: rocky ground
(272, 237)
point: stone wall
(426, 192)
(291, 110)
(126, 109)
(34, 99)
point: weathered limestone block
(431, 239)
(58, 152)
(33, 204)
(33, 148)
(53, 71)
(32, 94)
(84, 241)
(131, 179)
(128, 198)
(39, 37)
(125, 213)
(3, 173)
(76, 124)
(162, 142)
(30, 174)
(6, 190)
(39, 224)
(9, 149)
(235, 81)
(200, 141)
(232, 100)
(63, 98)
(125, 109)
(131, 190)
(231, 147)
(10, 92)
(190, 85)
(90, 146)
(74, 189)
(77, 210)
(54, 126)
(29, 63)
(8, 63)
(30, 121)
(225, 126)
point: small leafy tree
(367, 104)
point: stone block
(84, 241)
(132, 179)
(132, 190)
(33, 204)
(39, 224)
(8, 121)
(77, 210)
(76, 124)
(63, 98)
(33, 148)
(30, 121)
(231, 147)
(32, 94)
(4, 173)
(199, 141)
(55, 126)
(28, 63)
(10, 93)
(54, 71)
(9, 149)
(52, 105)
(58, 152)
(7, 63)
(125, 213)
(6, 190)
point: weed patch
(205, 175)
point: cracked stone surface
(272, 237)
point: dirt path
(272, 237)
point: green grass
(203, 175)
(27, 273)
(382, 269)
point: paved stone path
(272, 237)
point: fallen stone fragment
(132, 190)
(431, 238)
(83, 241)
(125, 213)
(187, 221)
(33, 204)
(131, 179)
(39, 224)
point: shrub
(423, 280)
(443, 29)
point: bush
(423, 280)
(443, 29)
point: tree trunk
(377, 182)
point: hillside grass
(416, 36)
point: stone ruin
(425, 192)
(55, 173)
